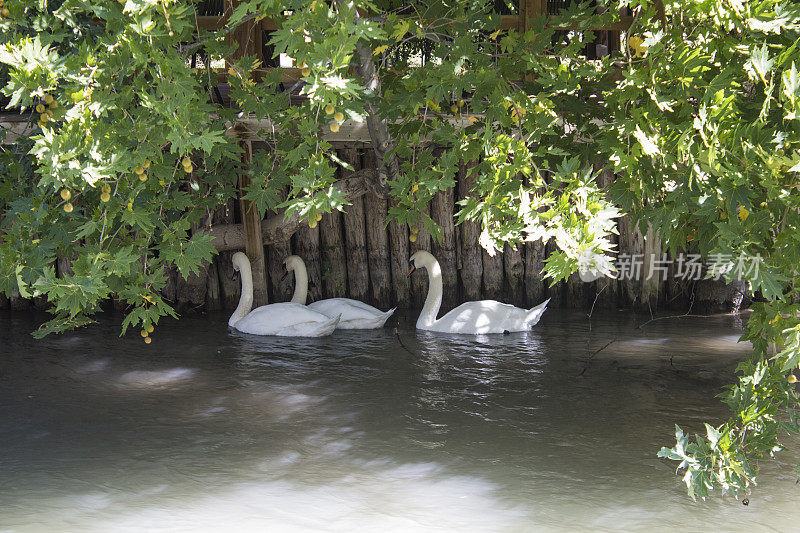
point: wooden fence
(253, 37)
(358, 255)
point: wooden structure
(357, 254)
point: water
(208, 430)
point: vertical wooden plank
(214, 286)
(18, 303)
(355, 237)
(607, 288)
(445, 251)
(576, 292)
(652, 279)
(229, 283)
(471, 271)
(514, 275)
(282, 289)
(630, 260)
(247, 35)
(254, 244)
(398, 258)
(64, 266)
(492, 274)
(529, 9)
(419, 282)
(535, 286)
(556, 292)
(213, 294)
(677, 290)
(306, 245)
(191, 291)
(334, 272)
(375, 210)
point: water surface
(207, 429)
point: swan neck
(434, 299)
(246, 299)
(300, 284)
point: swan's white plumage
(485, 316)
(286, 320)
(354, 314)
(281, 319)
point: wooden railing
(250, 35)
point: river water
(207, 429)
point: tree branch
(378, 130)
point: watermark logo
(593, 266)
(689, 267)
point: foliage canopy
(697, 116)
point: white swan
(282, 319)
(485, 316)
(355, 314)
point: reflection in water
(354, 432)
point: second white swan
(485, 316)
(281, 319)
(355, 314)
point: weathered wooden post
(375, 210)
(419, 282)
(399, 254)
(230, 285)
(535, 286)
(190, 292)
(445, 251)
(492, 275)
(607, 288)
(248, 38)
(354, 235)
(334, 269)
(306, 245)
(282, 288)
(556, 292)
(514, 267)
(253, 243)
(471, 266)
(631, 258)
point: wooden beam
(349, 131)
(247, 35)
(253, 242)
(278, 228)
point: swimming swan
(486, 316)
(282, 319)
(355, 314)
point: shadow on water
(209, 428)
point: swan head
(420, 259)
(290, 264)
(239, 259)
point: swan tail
(381, 319)
(320, 329)
(367, 323)
(326, 328)
(536, 313)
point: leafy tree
(697, 117)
